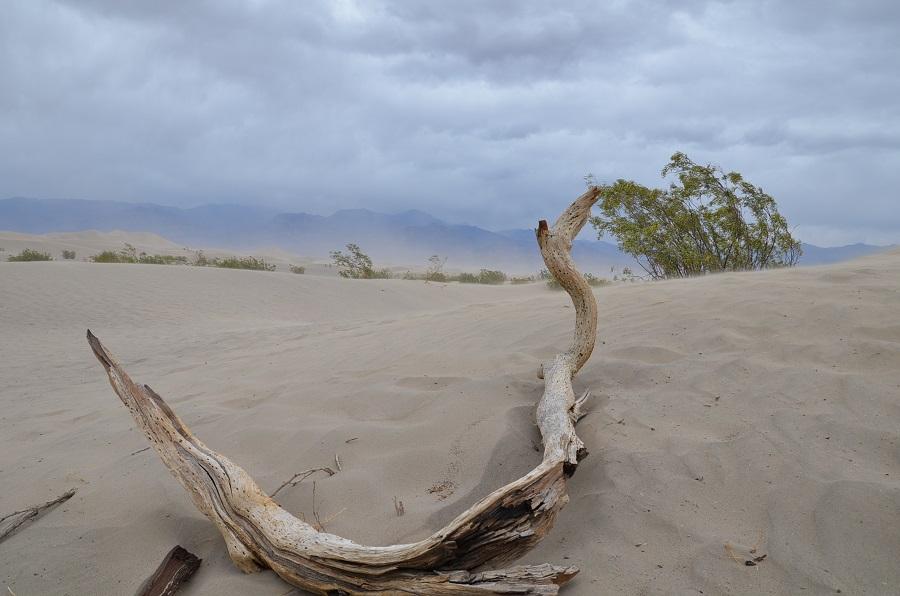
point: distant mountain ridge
(404, 238)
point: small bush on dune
(251, 263)
(30, 255)
(129, 254)
(298, 269)
(487, 276)
(521, 280)
(356, 264)
(435, 271)
(68, 255)
(111, 256)
(592, 280)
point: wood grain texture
(176, 568)
(499, 528)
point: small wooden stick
(301, 476)
(176, 568)
(11, 522)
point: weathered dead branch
(176, 568)
(11, 522)
(499, 528)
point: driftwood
(497, 529)
(176, 568)
(11, 522)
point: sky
(476, 111)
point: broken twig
(301, 476)
(10, 523)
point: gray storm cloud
(485, 112)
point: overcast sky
(477, 111)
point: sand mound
(734, 413)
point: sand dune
(737, 412)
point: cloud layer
(486, 112)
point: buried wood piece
(499, 528)
(176, 568)
(11, 522)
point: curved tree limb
(499, 528)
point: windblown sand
(734, 416)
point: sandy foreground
(734, 412)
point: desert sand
(734, 416)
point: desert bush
(30, 255)
(707, 221)
(521, 280)
(200, 259)
(590, 278)
(487, 276)
(595, 281)
(357, 265)
(68, 255)
(298, 269)
(435, 271)
(251, 263)
(129, 254)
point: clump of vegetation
(298, 269)
(488, 276)
(251, 263)
(356, 264)
(708, 221)
(592, 280)
(200, 259)
(30, 255)
(435, 271)
(68, 255)
(521, 280)
(129, 254)
(485, 276)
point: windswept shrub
(298, 269)
(590, 278)
(521, 280)
(251, 263)
(68, 255)
(30, 255)
(435, 271)
(356, 264)
(129, 254)
(707, 220)
(487, 276)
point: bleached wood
(497, 529)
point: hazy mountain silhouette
(406, 238)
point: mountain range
(405, 238)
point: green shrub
(68, 255)
(129, 254)
(251, 263)
(595, 281)
(357, 265)
(487, 276)
(30, 255)
(435, 271)
(298, 269)
(467, 278)
(592, 280)
(706, 221)
(521, 280)
(112, 256)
